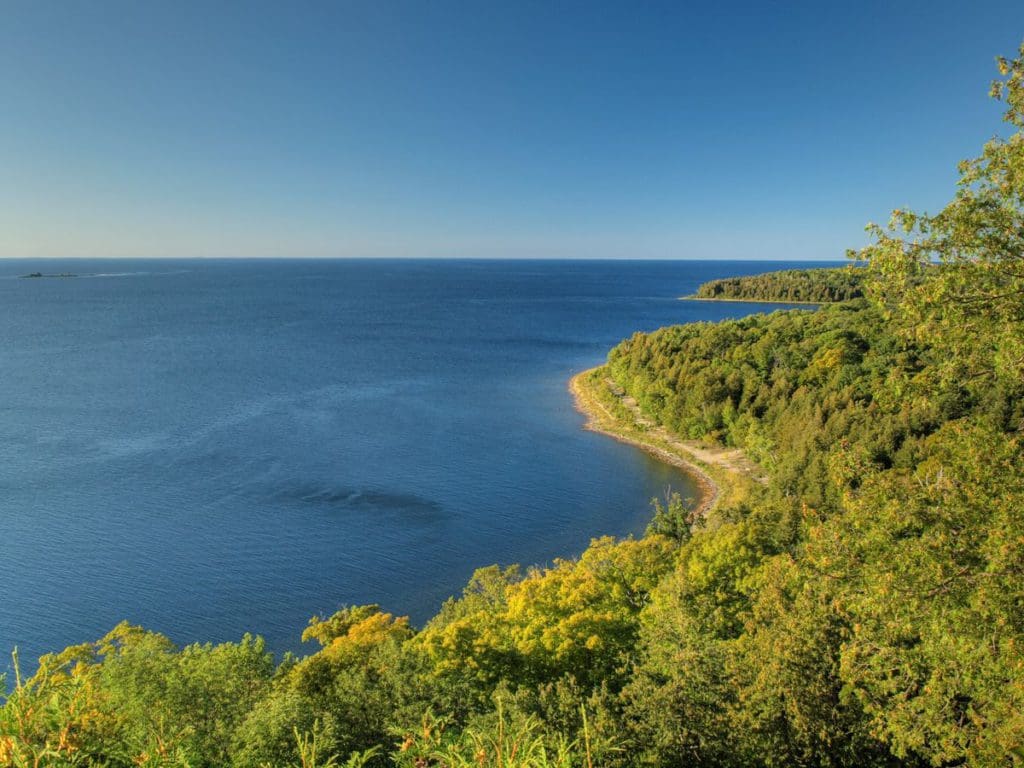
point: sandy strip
(654, 442)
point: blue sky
(477, 129)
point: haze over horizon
(484, 130)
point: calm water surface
(212, 447)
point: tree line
(814, 286)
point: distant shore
(753, 301)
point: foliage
(973, 307)
(345, 693)
(674, 519)
(817, 286)
(502, 741)
(308, 751)
(931, 561)
(577, 617)
(787, 388)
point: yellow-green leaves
(577, 617)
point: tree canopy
(815, 286)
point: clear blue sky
(536, 129)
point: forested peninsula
(855, 599)
(789, 286)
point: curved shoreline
(600, 419)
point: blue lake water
(212, 447)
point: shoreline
(601, 420)
(757, 301)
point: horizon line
(415, 258)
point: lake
(213, 447)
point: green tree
(956, 279)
